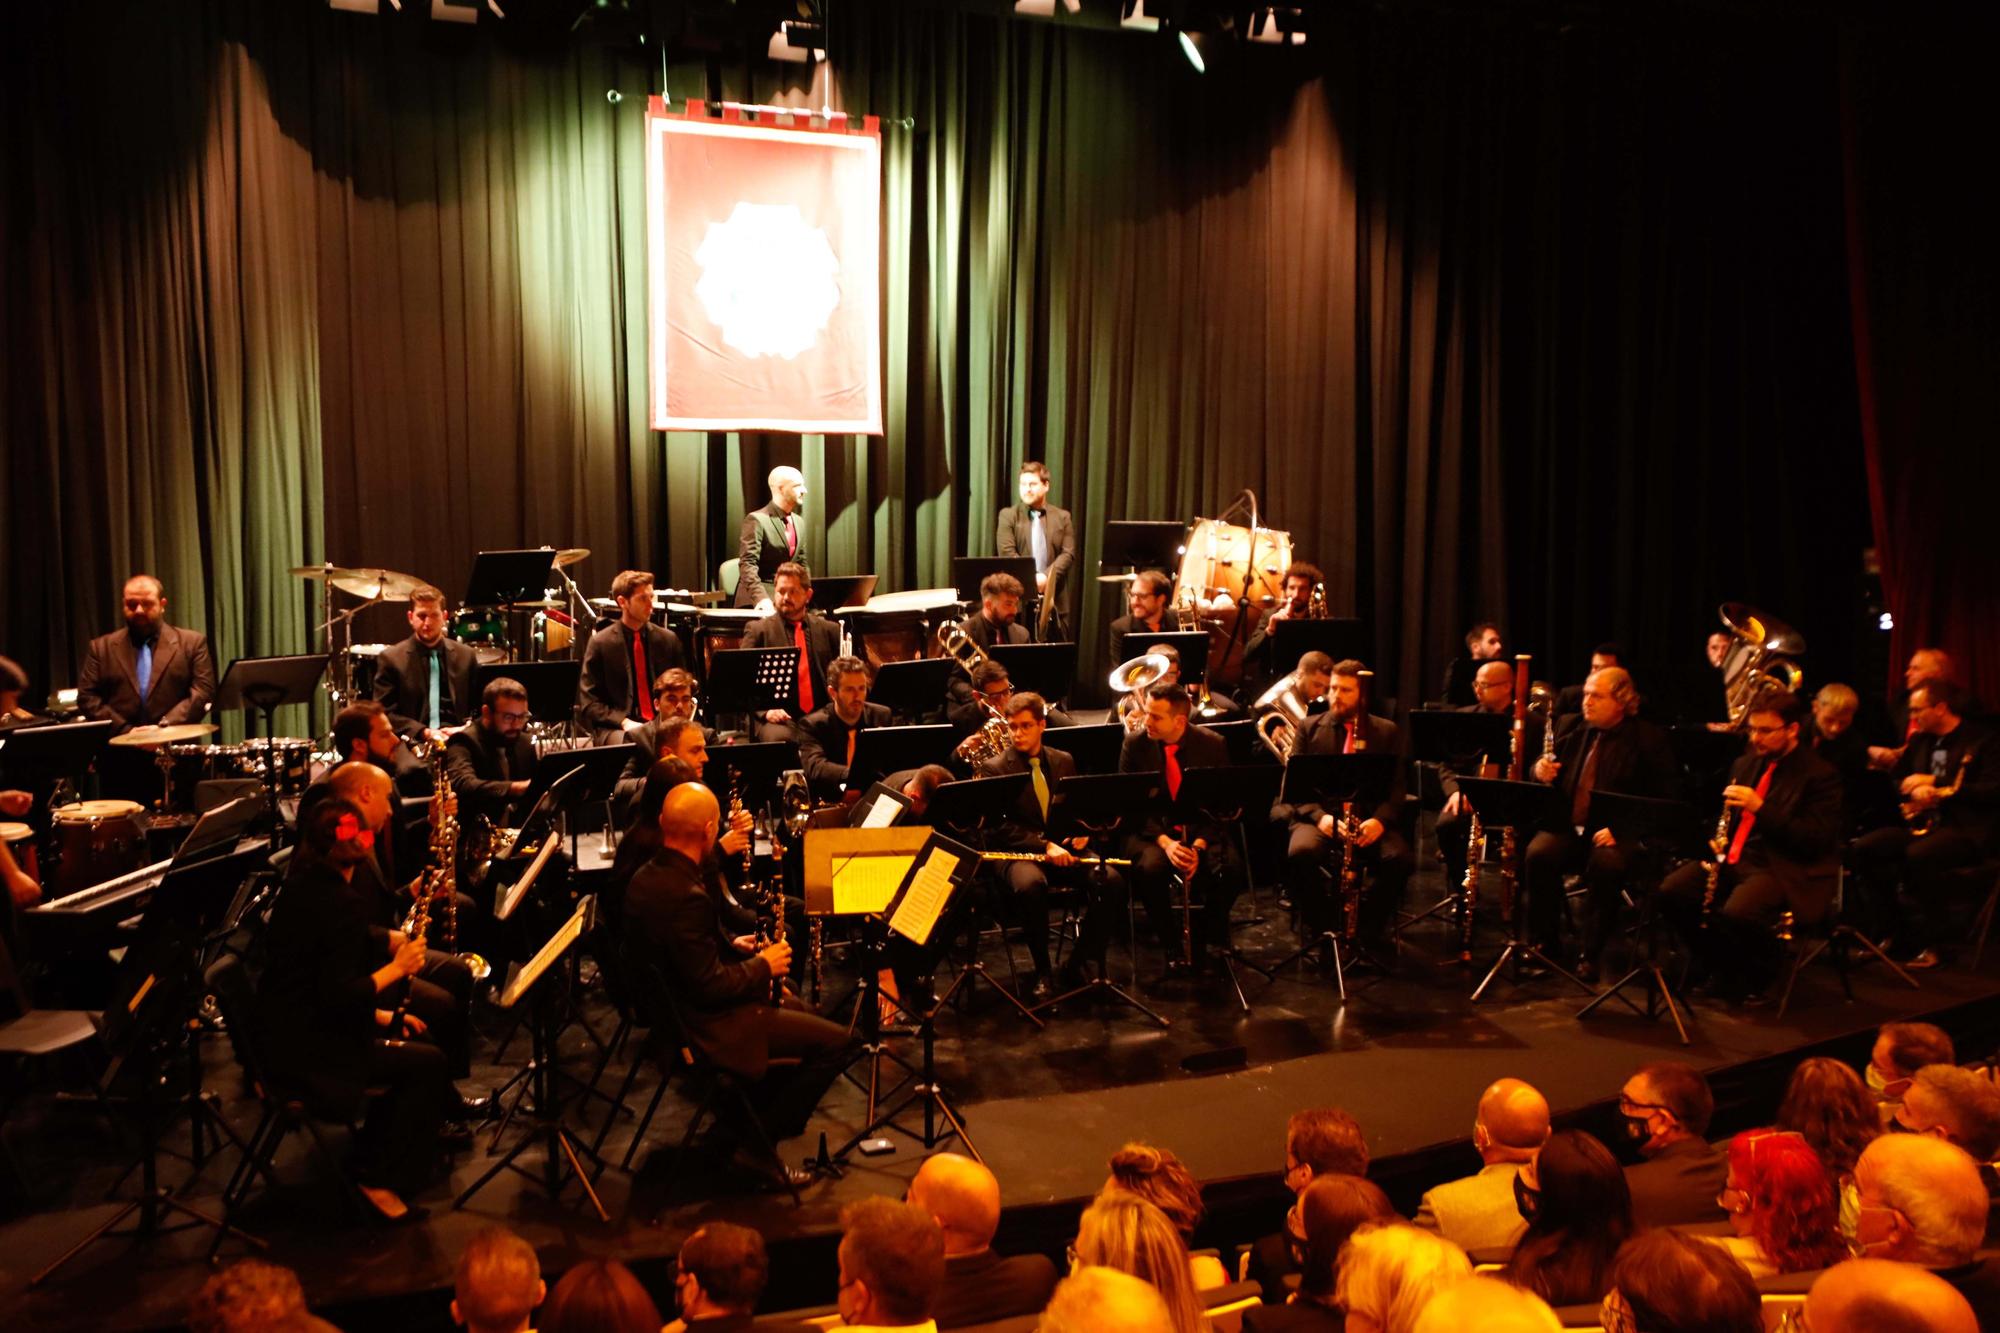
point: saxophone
(441, 876)
(1922, 819)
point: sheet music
(883, 813)
(504, 907)
(868, 883)
(929, 891)
(557, 946)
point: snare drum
(283, 762)
(96, 841)
(20, 840)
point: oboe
(1349, 829)
(1719, 844)
(765, 934)
(1475, 851)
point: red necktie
(805, 668)
(642, 689)
(1347, 746)
(1743, 824)
(1173, 771)
(791, 536)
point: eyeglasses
(1626, 1106)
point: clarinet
(759, 894)
(1712, 869)
(1350, 877)
(1475, 850)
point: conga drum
(96, 841)
(20, 840)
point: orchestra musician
(1950, 789)
(1146, 612)
(827, 735)
(426, 680)
(1482, 645)
(674, 696)
(1925, 665)
(1348, 728)
(150, 673)
(771, 538)
(612, 698)
(490, 763)
(1493, 693)
(22, 888)
(1295, 603)
(792, 625)
(1026, 830)
(1612, 750)
(1830, 734)
(995, 622)
(1037, 528)
(988, 690)
(1782, 854)
(1161, 848)
(363, 734)
(1569, 699)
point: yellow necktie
(1041, 785)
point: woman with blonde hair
(1124, 1232)
(1163, 1180)
(1389, 1271)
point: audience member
(498, 1283)
(1488, 1305)
(1104, 1300)
(1874, 1296)
(1667, 1108)
(599, 1296)
(719, 1277)
(1390, 1271)
(1159, 1177)
(1579, 1212)
(1124, 1232)
(963, 1198)
(1326, 1213)
(1901, 1049)
(891, 1265)
(1322, 1140)
(1922, 1202)
(1960, 1106)
(1477, 1212)
(1781, 1204)
(1664, 1282)
(252, 1296)
(1828, 1105)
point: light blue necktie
(437, 670)
(1041, 539)
(145, 674)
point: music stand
(912, 689)
(1245, 750)
(551, 686)
(600, 767)
(1095, 748)
(1339, 639)
(1634, 820)
(967, 808)
(502, 577)
(1332, 780)
(880, 751)
(1048, 669)
(1192, 645)
(838, 592)
(1446, 737)
(66, 748)
(969, 571)
(267, 684)
(1094, 804)
(1524, 807)
(752, 681)
(760, 769)
(1135, 544)
(1221, 796)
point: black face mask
(1527, 1199)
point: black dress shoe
(471, 1110)
(1040, 988)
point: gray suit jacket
(1475, 1212)
(1014, 536)
(181, 689)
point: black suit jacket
(480, 765)
(1127, 625)
(1199, 748)
(1971, 811)
(181, 689)
(1796, 835)
(316, 997)
(1679, 1185)
(1634, 758)
(606, 694)
(1024, 829)
(822, 646)
(823, 745)
(403, 685)
(984, 1287)
(1457, 685)
(1014, 537)
(1323, 735)
(1468, 765)
(674, 931)
(760, 549)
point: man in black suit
(622, 660)
(792, 625)
(1379, 846)
(490, 762)
(1198, 851)
(980, 1286)
(426, 680)
(827, 736)
(1296, 604)
(150, 673)
(1569, 699)
(1026, 830)
(1614, 751)
(674, 696)
(994, 623)
(1146, 612)
(1037, 528)
(1666, 1108)
(1493, 690)
(771, 537)
(1482, 645)
(1783, 852)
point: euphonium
(990, 741)
(1131, 679)
(1280, 711)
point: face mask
(1637, 1128)
(1527, 1199)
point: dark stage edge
(1407, 1056)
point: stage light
(1887, 623)
(1044, 9)
(1278, 25)
(798, 42)
(1134, 15)
(1191, 48)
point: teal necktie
(437, 670)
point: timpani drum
(723, 628)
(96, 841)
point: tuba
(1770, 645)
(1280, 712)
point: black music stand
(1245, 749)
(600, 767)
(1192, 645)
(752, 681)
(1134, 544)
(968, 808)
(267, 684)
(1221, 796)
(1339, 639)
(836, 592)
(1324, 780)
(1447, 737)
(760, 769)
(1048, 669)
(880, 751)
(914, 689)
(1634, 820)
(1523, 807)
(65, 749)
(500, 578)
(551, 686)
(1095, 804)
(969, 571)
(1095, 748)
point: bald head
(366, 787)
(1489, 1305)
(1516, 1120)
(962, 1197)
(1494, 673)
(689, 818)
(1877, 1296)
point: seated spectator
(1781, 1204)
(1828, 1105)
(719, 1279)
(498, 1283)
(1389, 1272)
(1664, 1282)
(891, 1265)
(1163, 1180)
(1922, 1202)
(1318, 1141)
(599, 1296)
(963, 1198)
(1104, 1300)
(1579, 1212)
(1478, 1212)
(1124, 1232)
(1960, 1106)
(1901, 1049)
(252, 1296)
(1327, 1212)
(1872, 1296)
(1667, 1108)
(1488, 1305)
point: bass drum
(1233, 571)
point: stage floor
(1407, 1055)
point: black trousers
(441, 996)
(1388, 862)
(1924, 867)
(1605, 871)
(398, 1144)
(1739, 945)
(788, 1094)
(1026, 886)
(1217, 884)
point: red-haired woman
(1782, 1204)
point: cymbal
(575, 555)
(547, 604)
(148, 738)
(370, 585)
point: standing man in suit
(1478, 1212)
(1146, 612)
(1666, 1108)
(426, 680)
(1026, 830)
(980, 1286)
(1783, 853)
(792, 625)
(827, 735)
(490, 763)
(1037, 528)
(1161, 847)
(771, 537)
(150, 673)
(622, 659)
(1347, 727)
